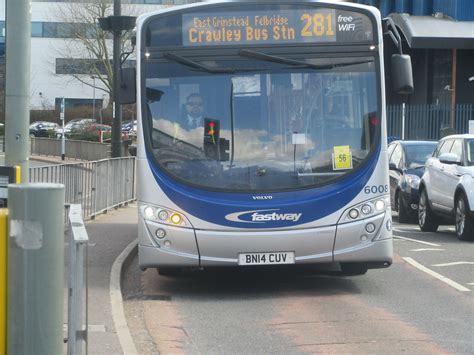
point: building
(59, 63)
(439, 36)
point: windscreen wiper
(199, 66)
(277, 59)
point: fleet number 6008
(373, 189)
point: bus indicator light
(176, 218)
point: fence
(426, 121)
(75, 149)
(98, 185)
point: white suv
(447, 187)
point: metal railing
(98, 185)
(427, 121)
(78, 290)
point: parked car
(406, 166)
(43, 129)
(97, 127)
(447, 187)
(129, 128)
(73, 125)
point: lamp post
(116, 24)
(93, 97)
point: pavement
(112, 245)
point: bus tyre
(353, 269)
(169, 271)
(426, 217)
(402, 212)
(464, 221)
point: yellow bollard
(3, 278)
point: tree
(87, 49)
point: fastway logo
(258, 217)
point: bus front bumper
(349, 242)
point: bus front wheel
(169, 271)
(353, 269)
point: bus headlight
(380, 205)
(365, 209)
(164, 215)
(354, 213)
(149, 212)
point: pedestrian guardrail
(98, 185)
(77, 288)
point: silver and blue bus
(286, 161)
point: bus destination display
(319, 25)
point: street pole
(93, 98)
(17, 90)
(62, 117)
(35, 269)
(117, 116)
(453, 89)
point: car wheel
(464, 222)
(402, 212)
(426, 217)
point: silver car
(447, 187)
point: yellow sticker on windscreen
(342, 158)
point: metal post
(403, 120)
(63, 120)
(35, 269)
(117, 120)
(3, 278)
(453, 89)
(17, 90)
(93, 98)
(77, 303)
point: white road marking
(427, 249)
(470, 283)
(417, 241)
(396, 230)
(456, 263)
(116, 301)
(436, 275)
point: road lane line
(427, 249)
(416, 240)
(436, 275)
(455, 263)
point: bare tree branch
(87, 48)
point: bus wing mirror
(127, 86)
(402, 75)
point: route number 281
(373, 189)
(317, 25)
